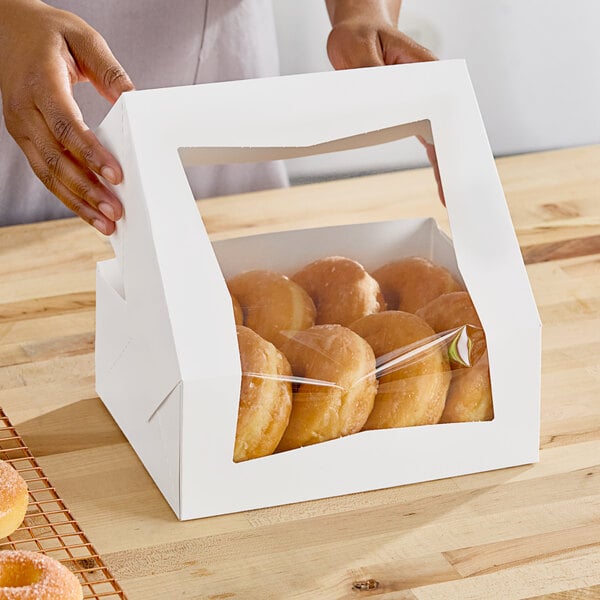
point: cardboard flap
(134, 275)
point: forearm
(374, 10)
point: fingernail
(109, 174)
(100, 226)
(107, 210)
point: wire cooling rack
(49, 527)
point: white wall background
(535, 66)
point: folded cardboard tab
(167, 361)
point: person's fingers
(76, 189)
(81, 181)
(399, 48)
(81, 208)
(350, 47)
(96, 62)
(63, 118)
(432, 156)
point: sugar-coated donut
(410, 283)
(341, 289)
(340, 396)
(453, 311)
(238, 313)
(273, 305)
(14, 498)
(413, 380)
(28, 575)
(265, 398)
(470, 395)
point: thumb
(98, 64)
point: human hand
(43, 53)
(362, 41)
(364, 34)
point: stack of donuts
(23, 574)
(333, 350)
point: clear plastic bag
(338, 357)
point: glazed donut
(341, 289)
(454, 311)
(14, 498)
(410, 283)
(414, 391)
(265, 397)
(28, 575)
(470, 395)
(340, 396)
(273, 305)
(238, 313)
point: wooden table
(526, 532)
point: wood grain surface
(526, 532)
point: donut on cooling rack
(410, 283)
(338, 394)
(341, 289)
(28, 575)
(14, 498)
(272, 304)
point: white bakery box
(167, 360)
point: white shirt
(160, 44)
